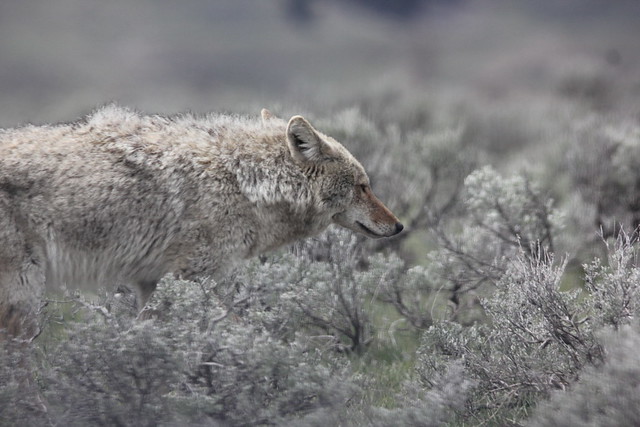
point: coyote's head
(339, 181)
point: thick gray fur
(123, 198)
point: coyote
(124, 198)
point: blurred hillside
(61, 58)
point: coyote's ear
(304, 142)
(266, 116)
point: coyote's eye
(364, 188)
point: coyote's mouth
(367, 230)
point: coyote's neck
(281, 223)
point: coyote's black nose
(399, 227)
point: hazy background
(61, 58)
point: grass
(390, 358)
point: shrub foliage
(511, 330)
